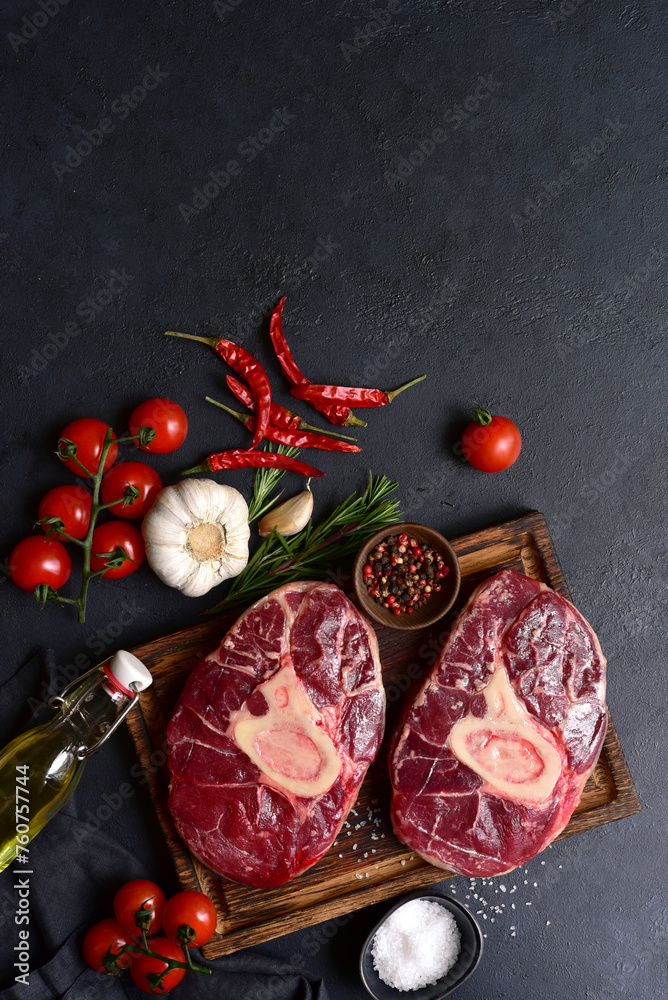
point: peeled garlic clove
(289, 517)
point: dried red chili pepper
(241, 458)
(293, 437)
(342, 416)
(244, 363)
(279, 416)
(358, 397)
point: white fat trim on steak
(505, 747)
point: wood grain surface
(367, 863)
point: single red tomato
(136, 474)
(491, 443)
(145, 965)
(140, 894)
(167, 420)
(72, 505)
(194, 909)
(102, 937)
(88, 435)
(108, 537)
(38, 560)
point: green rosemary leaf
(265, 482)
(317, 550)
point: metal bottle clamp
(82, 752)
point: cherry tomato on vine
(139, 894)
(88, 435)
(491, 443)
(100, 938)
(194, 909)
(108, 537)
(72, 505)
(142, 965)
(168, 421)
(38, 560)
(136, 474)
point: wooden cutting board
(367, 863)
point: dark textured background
(512, 265)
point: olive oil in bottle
(40, 769)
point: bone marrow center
(509, 758)
(507, 748)
(206, 541)
(292, 751)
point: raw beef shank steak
(273, 734)
(491, 757)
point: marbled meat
(273, 734)
(491, 756)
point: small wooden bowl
(438, 604)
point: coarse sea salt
(416, 945)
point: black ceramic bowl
(469, 955)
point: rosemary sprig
(265, 482)
(316, 551)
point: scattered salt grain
(416, 945)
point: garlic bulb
(196, 535)
(290, 516)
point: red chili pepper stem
(481, 415)
(204, 467)
(211, 341)
(395, 392)
(293, 437)
(301, 426)
(243, 418)
(353, 421)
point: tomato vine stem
(68, 453)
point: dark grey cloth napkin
(75, 869)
